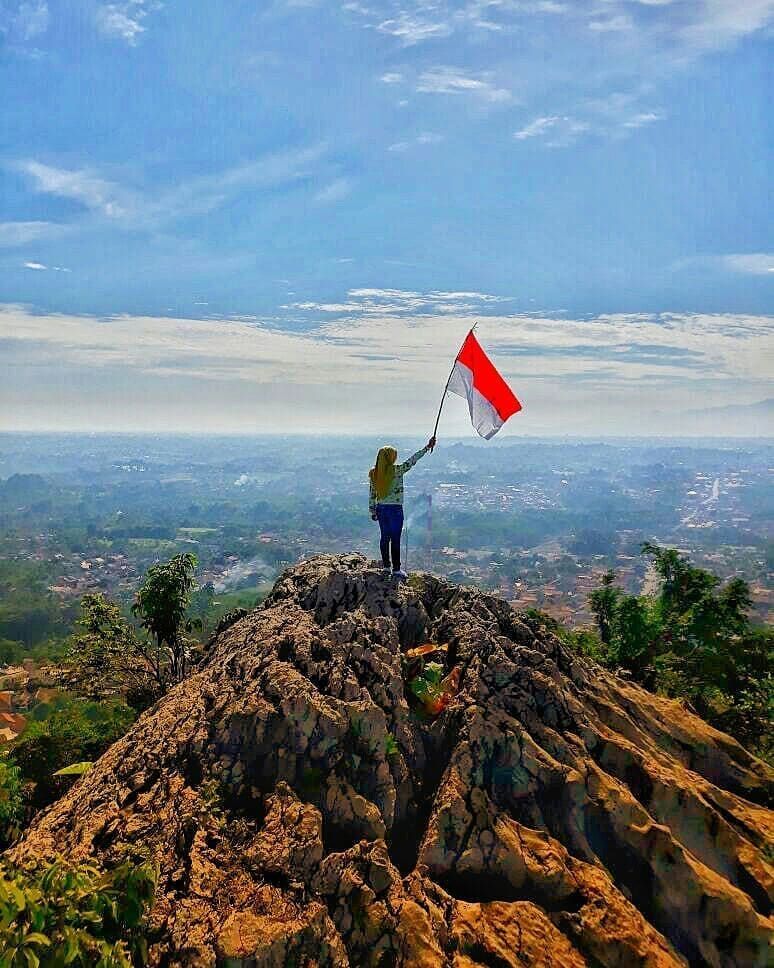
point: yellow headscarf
(383, 473)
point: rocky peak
(304, 811)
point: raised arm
(408, 464)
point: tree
(161, 604)
(108, 656)
(603, 602)
(699, 625)
(694, 640)
(708, 651)
(632, 634)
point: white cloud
(642, 119)
(451, 80)
(537, 127)
(33, 18)
(645, 35)
(133, 208)
(553, 130)
(610, 116)
(587, 375)
(124, 20)
(334, 192)
(418, 21)
(424, 138)
(611, 24)
(13, 234)
(83, 186)
(719, 23)
(391, 77)
(751, 263)
(400, 302)
(413, 30)
(40, 267)
(25, 21)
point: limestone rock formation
(303, 811)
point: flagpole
(448, 381)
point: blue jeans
(390, 517)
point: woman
(386, 501)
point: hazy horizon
(500, 440)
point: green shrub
(65, 914)
(11, 800)
(74, 731)
(11, 653)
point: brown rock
(302, 813)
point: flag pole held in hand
(473, 376)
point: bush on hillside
(11, 799)
(72, 731)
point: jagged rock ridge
(302, 814)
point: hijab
(383, 473)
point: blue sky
(302, 170)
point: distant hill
(748, 418)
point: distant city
(538, 520)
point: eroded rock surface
(303, 813)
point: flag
(490, 400)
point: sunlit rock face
(304, 812)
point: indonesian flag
(490, 400)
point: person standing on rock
(386, 501)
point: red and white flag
(490, 400)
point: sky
(284, 216)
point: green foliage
(74, 730)
(431, 688)
(108, 656)
(429, 678)
(211, 793)
(75, 769)
(582, 641)
(694, 640)
(229, 619)
(632, 634)
(30, 616)
(603, 603)
(11, 653)
(11, 799)
(161, 604)
(64, 914)
(391, 747)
